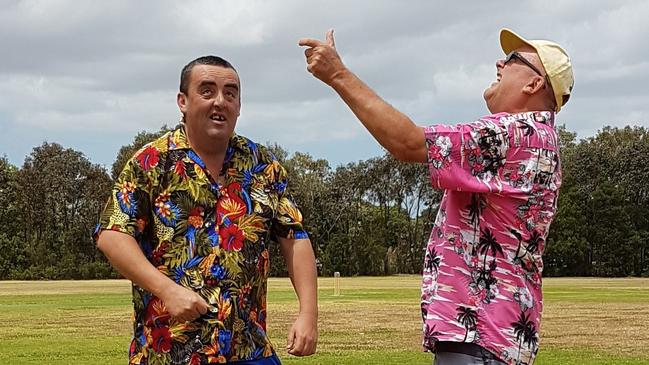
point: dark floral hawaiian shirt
(208, 237)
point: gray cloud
(90, 74)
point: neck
(211, 152)
(528, 105)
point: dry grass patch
(618, 329)
(64, 287)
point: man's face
(511, 77)
(212, 103)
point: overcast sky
(91, 74)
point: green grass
(374, 321)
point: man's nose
(500, 64)
(219, 99)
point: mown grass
(374, 321)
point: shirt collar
(544, 117)
(178, 141)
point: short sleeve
(287, 222)
(128, 209)
(467, 157)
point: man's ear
(534, 85)
(181, 100)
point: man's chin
(486, 97)
(491, 106)
(218, 133)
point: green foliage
(602, 223)
(370, 217)
(12, 256)
(56, 199)
(8, 173)
(367, 218)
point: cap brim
(510, 41)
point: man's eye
(206, 92)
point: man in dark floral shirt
(189, 222)
(481, 297)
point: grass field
(374, 321)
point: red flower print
(533, 212)
(196, 217)
(514, 175)
(156, 314)
(149, 158)
(231, 238)
(180, 169)
(126, 188)
(166, 210)
(244, 296)
(131, 350)
(211, 281)
(482, 295)
(195, 359)
(473, 302)
(435, 153)
(158, 253)
(161, 338)
(231, 205)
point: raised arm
(391, 128)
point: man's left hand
(303, 336)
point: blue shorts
(270, 360)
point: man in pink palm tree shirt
(481, 288)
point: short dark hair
(205, 60)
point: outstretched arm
(303, 335)
(391, 128)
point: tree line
(369, 217)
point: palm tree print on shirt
(475, 209)
(484, 283)
(430, 336)
(468, 317)
(525, 251)
(525, 332)
(432, 261)
(488, 243)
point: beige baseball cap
(555, 60)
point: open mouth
(498, 76)
(218, 117)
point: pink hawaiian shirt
(482, 269)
